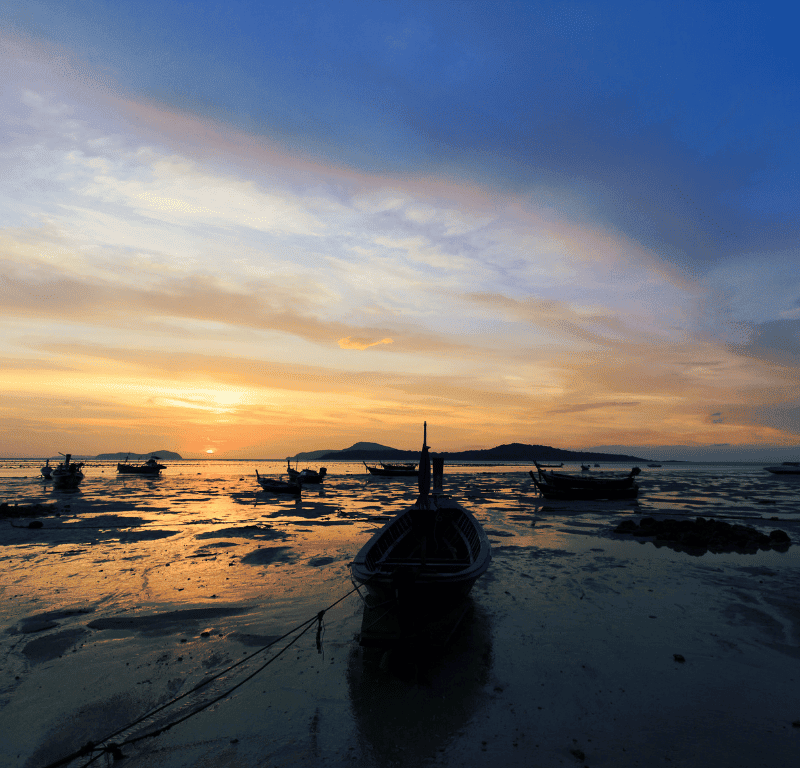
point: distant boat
(418, 568)
(150, 467)
(550, 466)
(567, 487)
(67, 474)
(567, 480)
(271, 485)
(306, 475)
(585, 468)
(787, 468)
(46, 470)
(393, 470)
(653, 465)
(600, 492)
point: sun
(210, 450)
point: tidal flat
(581, 646)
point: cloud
(354, 343)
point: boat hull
(563, 480)
(66, 480)
(278, 486)
(307, 476)
(68, 474)
(585, 493)
(419, 568)
(391, 472)
(131, 469)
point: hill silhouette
(510, 452)
(122, 455)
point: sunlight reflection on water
(204, 531)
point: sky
(250, 229)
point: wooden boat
(599, 492)
(46, 470)
(306, 475)
(418, 568)
(67, 474)
(787, 468)
(565, 480)
(271, 485)
(150, 467)
(393, 470)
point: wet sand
(581, 646)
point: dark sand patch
(253, 640)
(165, 623)
(269, 555)
(245, 532)
(52, 646)
(318, 562)
(79, 727)
(47, 620)
(28, 510)
(500, 534)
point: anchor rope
(114, 749)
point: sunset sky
(259, 228)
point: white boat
(787, 468)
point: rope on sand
(94, 750)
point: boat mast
(424, 469)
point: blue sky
(560, 223)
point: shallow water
(134, 569)
(130, 542)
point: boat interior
(441, 538)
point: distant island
(511, 452)
(122, 455)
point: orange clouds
(360, 343)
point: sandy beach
(581, 646)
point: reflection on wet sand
(408, 704)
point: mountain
(168, 455)
(314, 455)
(511, 452)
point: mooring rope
(115, 749)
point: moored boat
(150, 467)
(68, 474)
(597, 492)
(566, 480)
(306, 475)
(46, 470)
(271, 485)
(418, 568)
(393, 470)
